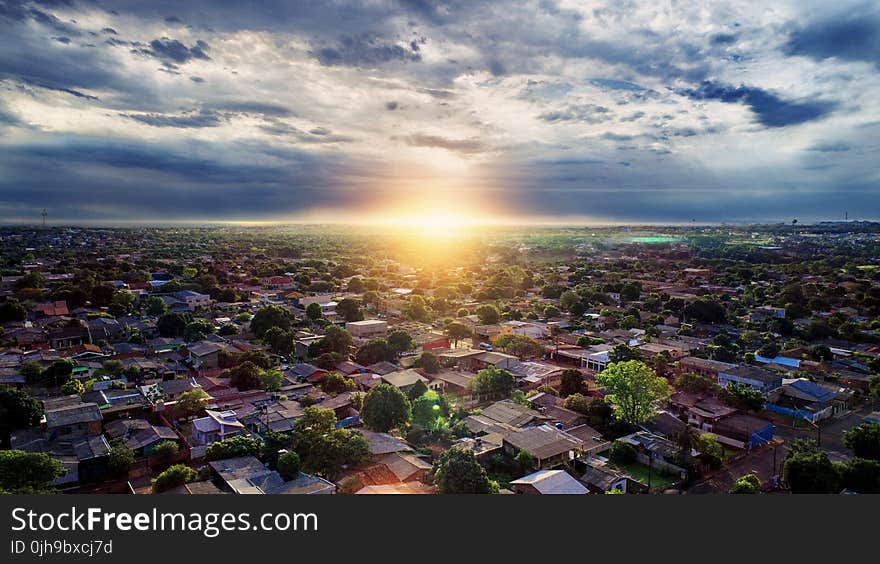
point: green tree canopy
(458, 472)
(633, 389)
(28, 472)
(385, 408)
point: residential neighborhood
(576, 361)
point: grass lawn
(659, 480)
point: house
(193, 299)
(171, 389)
(654, 450)
(752, 376)
(69, 417)
(548, 482)
(508, 412)
(367, 329)
(66, 337)
(139, 434)
(404, 379)
(303, 372)
(216, 426)
(702, 367)
(800, 398)
(453, 382)
(247, 475)
(204, 355)
(599, 477)
(547, 445)
(51, 309)
(105, 329)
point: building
(754, 377)
(367, 329)
(703, 367)
(548, 482)
(216, 426)
(192, 299)
(247, 475)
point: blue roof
(780, 360)
(821, 394)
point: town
(305, 359)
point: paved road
(759, 461)
(830, 434)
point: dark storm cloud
(364, 51)
(173, 51)
(770, 109)
(261, 108)
(853, 35)
(115, 180)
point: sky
(389, 110)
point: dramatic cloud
(770, 109)
(851, 35)
(636, 111)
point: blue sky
(612, 111)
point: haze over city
(438, 112)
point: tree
(578, 402)
(245, 376)
(694, 383)
(373, 351)
(519, 345)
(417, 309)
(239, 445)
(572, 383)
(633, 389)
(808, 470)
(73, 387)
(349, 309)
(32, 372)
(174, 477)
(335, 449)
(864, 440)
(400, 341)
(458, 472)
(271, 380)
(622, 453)
(122, 303)
(744, 397)
(119, 458)
(711, 451)
(12, 310)
(428, 362)
(524, 460)
(288, 465)
(156, 306)
(623, 353)
(28, 472)
(197, 330)
(335, 383)
(18, 410)
(488, 314)
(314, 311)
(279, 341)
(385, 408)
(861, 475)
(171, 325)
(748, 484)
(416, 390)
(456, 331)
(493, 382)
(271, 316)
(190, 402)
(335, 339)
(165, 451)
(426, 410)
(58, 372)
